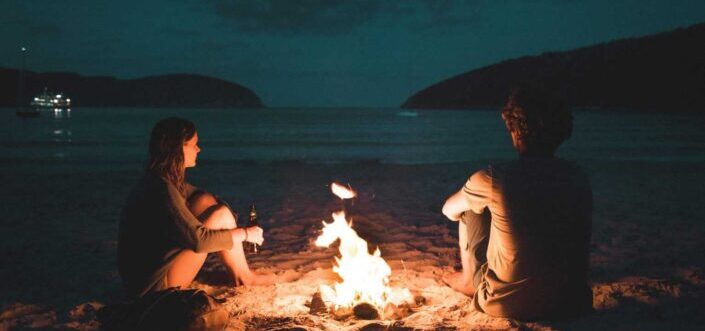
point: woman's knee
(220, 218)
(200, 201)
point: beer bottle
(251, 247)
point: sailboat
(24, 111)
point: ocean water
(119, 136)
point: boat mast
(20, 87)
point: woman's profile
(168, 227)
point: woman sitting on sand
(168, 226)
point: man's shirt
(538, 251)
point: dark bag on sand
(170, 309)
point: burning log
(365, 311)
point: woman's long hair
(166, 153)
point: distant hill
(665, 71)
(179, 90)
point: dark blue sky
(316, 52)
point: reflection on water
(62, 135)
(61, 113)
(408, 113)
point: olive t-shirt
(155, 226)
(538, 250)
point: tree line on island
(661, 72)
(176, 90)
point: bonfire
(365, 276)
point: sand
(58, 244)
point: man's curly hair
(541, 120)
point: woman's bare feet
(255, 279)
(459, 282)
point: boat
(43, 101)
(46, 100)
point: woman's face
(191, 151)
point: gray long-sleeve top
(155, 226)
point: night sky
(316, 53)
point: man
(525, 225)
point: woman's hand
(254, 234)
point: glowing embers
(365, 286)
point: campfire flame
(343, 192)
(365, 277)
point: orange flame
(365, 276)
(342, 191)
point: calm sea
(115, 136)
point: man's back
(537, 256)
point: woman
(168, 227)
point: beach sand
(58, 244)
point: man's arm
(474, 196)
(455, 206)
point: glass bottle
(248, 246)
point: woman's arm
(188, 231)
(251, 234)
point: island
(174, 90)
(661, 72)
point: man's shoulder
(542, 163)
(489, 171)
(551, 170)
(484, 172)
(499, 168)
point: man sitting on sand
(525, 225)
